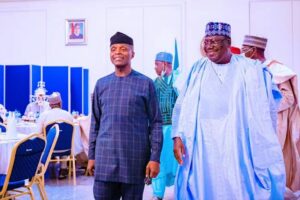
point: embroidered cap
(255, 41)
(164, 57)
(217, 28)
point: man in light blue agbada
(167, 96)
(223, 135)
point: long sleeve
(282, 77)
(176, 116)
(288, 98)
(265, 149)
(155, 124)
(95, 123)
(273, 94)
(184, 83)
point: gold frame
(82, 39)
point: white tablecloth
(26, 127)
(30, 127)
(85, 124)
(6, 146)
(78, 146)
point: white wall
(33, 32)
(153, 27)
(199, 12)
(267, 12)
(279, 21)
(19, 44)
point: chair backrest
(25, 158)
(52, 136)
(2, 127)
(65, 139)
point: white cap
(54, 98)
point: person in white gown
(224, 139)
(288, 124)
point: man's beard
(40, 103)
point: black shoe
(63, 173)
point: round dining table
(24, 129)
(6, 145)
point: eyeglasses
(213, 42)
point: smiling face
(121, 55)
(216, 49)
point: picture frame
(76, 33)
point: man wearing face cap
(55, 113)
(167, 96)
(288, 124)
(223, 135)
(126, 128)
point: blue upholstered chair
(2, 127)
(24, 161)
(64, 145)
(52, 136)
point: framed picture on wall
(76, 32)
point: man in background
(288, 130)
(223, 135)
(39, 105)
(126, 128)
(55, 113)
(167, 96)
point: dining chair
(24, 161)
(52, 136)
(64, 145)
